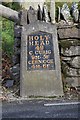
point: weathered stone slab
(69, 33)
(73, 81)
(73, 72)
(75, 11)
(52, 11)
(23, 17)
(32, 15)
(76, 62)
(45, 14)
(17, 31)
(40, 63)
(65, 12)
(73, 50)
(16, 59)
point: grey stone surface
(40, 82)
(8, 83)
(17, 50)
(72, 32)
(73, 81)
(69, 38)
(16, 77)
(17, 31)
(73, 50)
(75, 11)
(59, 13)
(73, 72)
(76, 62)
(17, 42)
(15, 68)
(23, 17)
(45, 13)
(65, 11)
(62, 23)
(32, 15)
(52, 11)
(15, 72)
(34, 3)
(16, 59)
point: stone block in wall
(73, 50)
(73, 72)
(76, 62)
(73, 81)
(66, 58)
(73, 62)
(15, 72)
(15, 68)
(17, 50)
(17, 42)
(69, 33)
(16, 59)
(17, 31)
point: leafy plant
(13, 5)
(7, 29)
(7, 35)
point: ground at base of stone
(11, 96)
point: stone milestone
(40, 63)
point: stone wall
(69, 42)
(69, 47)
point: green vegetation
(7, 36)
(13, 5)
(7, 30)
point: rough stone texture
(76, 62)
(15, 68)
(23, 17)
(40, 82)
(8, 83)
(45, 14)
(52, 11)
(73, 72)
(69, 39)
(17, 50)
(16, 59)
(70, 53)
(27, 3)
(73, 81)
(73, 50)
(17, 42)
(72, 32)
(15, 72)
(17, 31)
(65, 12)
(75, 11)
(32, 15)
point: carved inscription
(40, 54)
